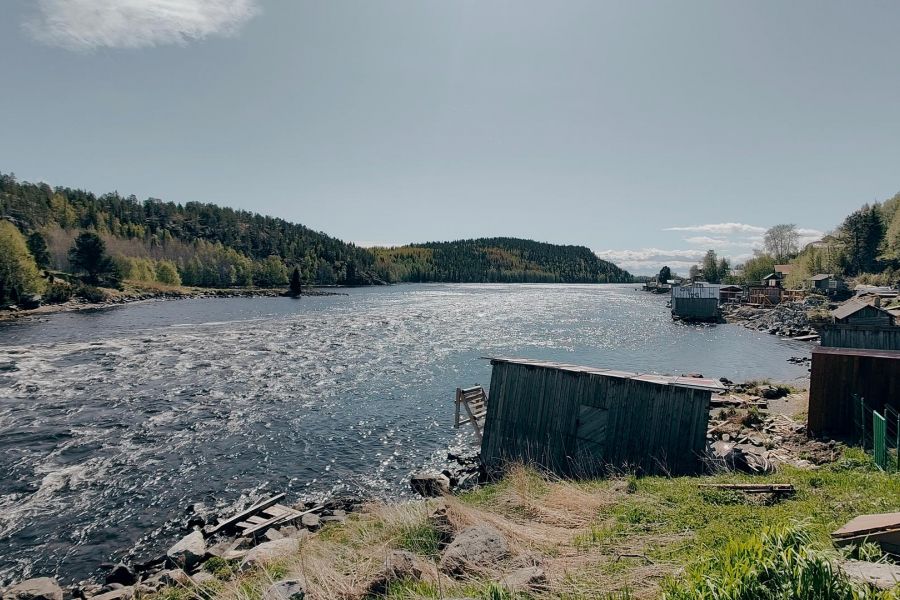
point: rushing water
(112, 421)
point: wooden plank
(243, 514)
(752, 488)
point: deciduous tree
(19, 274)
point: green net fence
(878, 432)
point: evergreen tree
(296, 287)
(862, 233)
(37, 245)
(665, 274)
(723, 268)
(710, 267)
(88, 256)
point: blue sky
(648, 131)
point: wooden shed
(730, 293)
(855, 312)
(577, 420)
(839, 374)
(765, 295)
(695, 303)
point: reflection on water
(112, 421)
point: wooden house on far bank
(827, 282)
(856, 312)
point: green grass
(420, 538)
(781, 562)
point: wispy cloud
(709, 242)
(720, 228)
(91, 24)
(650, 260)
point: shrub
(58, 292)
(779, 563)
(90, 293)
(167, 272)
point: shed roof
(869, 524)
(891, 354)
(772, 276)
(690, 382)
(786, 269)
(852, 307)
(730, 288)
(822, 276)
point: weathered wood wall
(840, 373)
(861, 336)
(695, 308)
(581, 423)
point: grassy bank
(617, 538)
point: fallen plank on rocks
(753, 488)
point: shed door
(590, 432)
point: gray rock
(333, 519)
(526, 579)
(430, 485)
(201, 577)
(269, 551)
(402, 564)
(188, 552)
(878, 575)
(123, 593)
(121, 573)
(475, 547)
(289, 531)
(39, 588)
(169, 577)
(289, 589)
(311, 521)
(273, 534)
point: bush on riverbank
(623, 537)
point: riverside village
(449, 300)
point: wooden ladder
(474, 400)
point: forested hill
(490, 260)
(210, 245)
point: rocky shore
(789, 319)
(197, 558)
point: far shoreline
(137, 293)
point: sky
(647, 131)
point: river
(112, 421)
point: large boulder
(122, 593)
(39, 588)
(188, 552)
(882, 576)
(430, 485)
(473, 549)
(121, 573)
(270, 551)
(288, 589)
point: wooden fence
(861, 336)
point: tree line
(865, 247)
(101, 240)
(495, 260)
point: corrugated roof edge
(690, 382)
